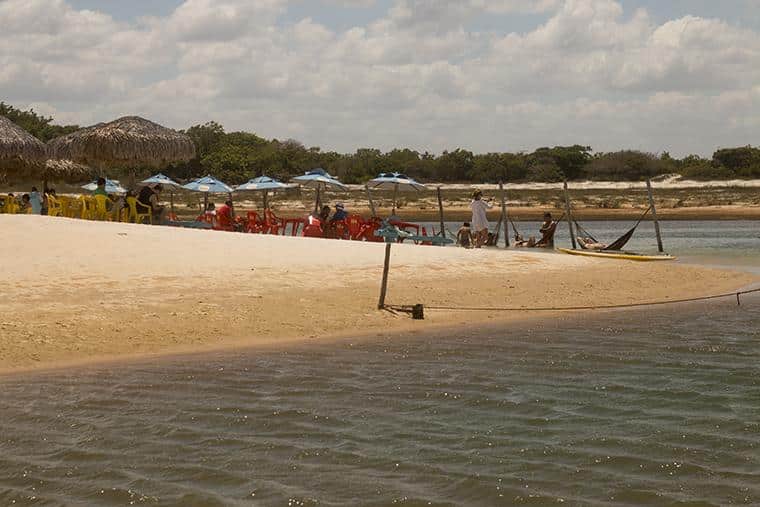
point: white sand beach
(75, 290)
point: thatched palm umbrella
(66, 171)
(127, 142)
(20, 151)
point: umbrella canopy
(112, 187)
(130, 141)
(263, 183)
(66, 171)
(208, 185)
(161, 179)
(18, 148)
(396, 182)
(319, 178)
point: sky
(681, 76)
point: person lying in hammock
(591, 244)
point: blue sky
(740, 12)
(486, 75)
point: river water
(648, 407)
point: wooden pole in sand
(371, 202)
(569, 217)
(503, 219)
(384, 283)
(440, 214)
(654, 217)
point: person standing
(35, 201)
(479, 222)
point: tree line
(236, 157)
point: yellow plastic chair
(67, 205)
(11, 206)
(54, 206)
(85, 207)
(138, 211)
(100, 211)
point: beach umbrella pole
(171, 201)
(440, 214)
(316, 203)
(395, 192)
(654, 216)
(371, 203)
(504, 220)
(265, 200)
(205, 201)
(569, 217)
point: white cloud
(420, 76)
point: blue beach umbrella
(112, 187)
(161, 179)
(319, 179)
(396, 182)
(263, 184)
(208, 185)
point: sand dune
(75, 290)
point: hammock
(619, 243)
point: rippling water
(625, 408)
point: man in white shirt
(479, 222)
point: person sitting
(25, 203)
(464, 235)
(548, 228)
(224, 218)
(148, 198)
(591, 244)
(324, 214)
(340, 213)
(101, 187)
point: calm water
(640, 408)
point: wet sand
(77, 291)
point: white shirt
(479, 220)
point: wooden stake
(503, 219)
(654, 216)
(371, 203)
(569, 217)
(384, 284)
(440, 214)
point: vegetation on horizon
(238, 156)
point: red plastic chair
(272, 223)
(367, 232)
(354, 224)
(313, 228)
(253, 223)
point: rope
(575, 308)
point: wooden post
(371, 203)
(232, 208)
(440, 214)
(384, 284)
(265, 200)
(503, 219)
(316, 202)
(569, 217)
(654, 216)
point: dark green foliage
(627, 165)
(39, 126)
(238, 156)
